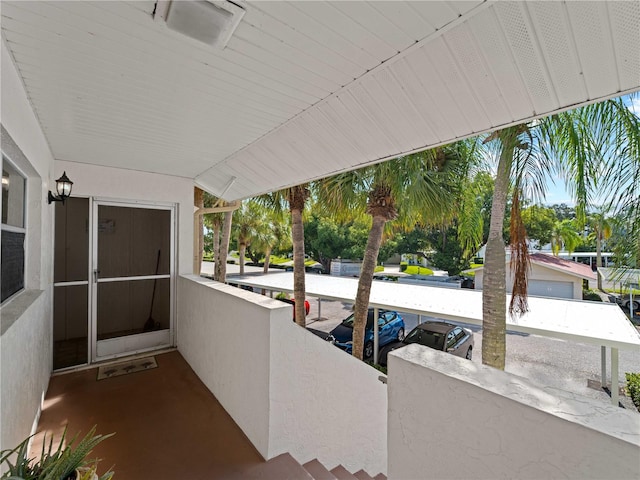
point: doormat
(132, 366)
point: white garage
(551, 288)
(549, 276)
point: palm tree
(421, 183)
(214, 222)
(564, 235)
(295, 198)
(248, 220)
(584, 145)
(220, 272)
(600, 225)
(511, 142)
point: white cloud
(634, 104)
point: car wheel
(368, 350)
(401, 334)
(636, 306)
(469, 353)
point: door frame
(138, 343)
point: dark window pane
(72, 240)
(12, 263)
(70, 325)
(133, 241)
(126, 308)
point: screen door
(132, 282)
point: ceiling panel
(307, 89)
(624, 19)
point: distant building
(550, 276)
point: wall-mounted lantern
(63, 188)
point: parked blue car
(390, 329)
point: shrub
(403, 266)
(591, 295)
(417, 270)
(379, 268)
(478, 260)
(633, 387)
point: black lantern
(63, 188)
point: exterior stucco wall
(225, 338)
(325, 404)
(456, 419)
(25, 342)
(538, 272)
(288, 390)
(25, 364)
(118, 184)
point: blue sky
(556, 188)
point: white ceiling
(307, 89)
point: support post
(603, 365)
(319, 307)
(419, 319)
(615, 387)
(375, 335)
(197, 266)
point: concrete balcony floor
(168, 424)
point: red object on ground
(292, 301)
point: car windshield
(426, 338)
(348, 322)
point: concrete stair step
(362, 475)
(282, 467)
(318, 471)
(342, 473)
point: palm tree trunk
(216, 243)
(243, 249)
(267, 259)
(297, 199)
(297, 235)
(221, 263)
(494, 292)
(364, 284)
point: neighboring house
(549, 277)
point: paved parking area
(548, 361)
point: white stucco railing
(450, 418)
(25, 364)
(287, 389)
(447, 417)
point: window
(13, 229)
(451, 339)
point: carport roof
(596, 323)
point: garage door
(549, 288)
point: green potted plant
(66, 462)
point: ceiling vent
(211, 22)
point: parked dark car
(390, 328)
(315, 269)
(292, 301)
(443, 336)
